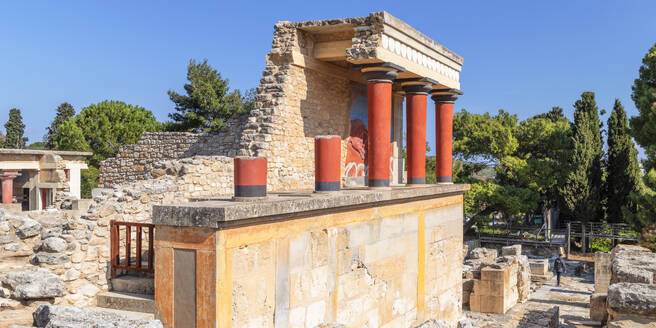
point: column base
(413, 181)
(378, 183)
(445, 180)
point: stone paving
(573, 298)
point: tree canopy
(208, 102)
(527, 157)
(643, 126)
(622, 168)
(64, 111)
(104, 127)
(15, 130)
(582, 190)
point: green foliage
(582, 191)
(15, 130)
(622, 168)
(39, 145)
(104, 127)
(64, 111)
(513, 167)
(648, 237)
(645, 203)
(643, 126)
(88, 181)
(207, 103)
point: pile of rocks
(632, 293)
(494, 284)
(50, 316)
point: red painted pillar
(416, 98)
(7, 178)
(379, 117)
(250, 177)
(444, 100)
(327, 157)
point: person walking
(559, 267)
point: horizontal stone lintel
(225, 213)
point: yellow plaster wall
(390, 266)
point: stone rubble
(50, 316)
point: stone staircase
(130, 293)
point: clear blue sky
(522, 56)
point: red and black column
(250, 177)
(379, 116)
(416, 99)
(327, 159)
(444, 99)
(7, 178)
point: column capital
(445, 96)
(380, 72)
(9, 174)
(417, 86)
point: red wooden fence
(115, 236)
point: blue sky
(522, 56)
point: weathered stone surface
(523, 278)
(35, 284)
(53, 245)
(51, 258)
(632, 323)
(52, 232)
(51, 316)
(539, 266)
(29, 228)
(598, 310)
(632, 264)
(514, 250)
(483, 254)
(434, 323)
(632, 299)
(8, 304)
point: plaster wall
(390, 265)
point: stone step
(132, 315)
(137, 303)
(134, 284)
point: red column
(327, 157)
(250, 177)
(8, 186)
(415, 108)
(444, 100)
(379, 117)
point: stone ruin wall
(628, 298)
(293, 104)
(62, 258)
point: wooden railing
(117, 243)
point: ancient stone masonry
(61, 257)
(631, 294)
(135, 162)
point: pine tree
(64, 111)
(643, 126)
(15, 130)
(623, 171)
(582, 191)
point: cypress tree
(643, 126)
(15, 130)
(582, 191)
(64, 111)
(623, 171)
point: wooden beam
(331, 50)
(301, 60)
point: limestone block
(51, 258)
(483, 254)
(598, 310)
(34, 284)
(631, 299)
(29, 228)
(53, 245)
(523, 278)
(514, 250)
(631, 323)
(47, 315)
(539, 266)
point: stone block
(602, 272)
(494, 274)
(539, 266)
(631, 299)
(514, 250)
(598, 310)
(485, 254)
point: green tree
(208, 102)
(64, 111)
(104, 127)
(15, 130)
(39, 145)
(643, 126)
(623, 170)
(582, 190)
